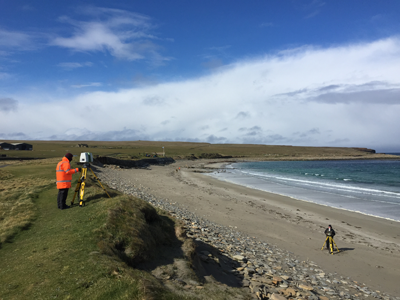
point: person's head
(69, 156)
(329, 226)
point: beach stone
(265, 280)
(249, 270)
(238, 257)
(277, 297)
(254, 287)
(306, 287)
(283, 285)
(245, 283)
(276, 280)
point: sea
(370, 187)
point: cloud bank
(8, 104)
(345, 95)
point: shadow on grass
(148, 240)
(100, 193)
(11, 236)
(135, 232)
(101, 196)
(202, 263)
(210, 263)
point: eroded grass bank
(94, 252)
(47, 253)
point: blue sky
(311, 73)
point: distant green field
(177, 150)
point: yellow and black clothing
(329, 232)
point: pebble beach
(268, 260)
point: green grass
(137, 149)
(18, 191)
(60, 254)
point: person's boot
(65, 206)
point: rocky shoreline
(266, 270)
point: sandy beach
(370, 247)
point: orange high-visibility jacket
(64, 174)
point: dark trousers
(62, 198)
(327, 244)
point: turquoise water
(367, 186)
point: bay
(370, 187)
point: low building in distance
(15, 146)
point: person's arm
(68, 170)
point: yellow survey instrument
(331, 242)
(80, 187)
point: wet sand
(370, 247)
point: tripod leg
(324, 243)
(331, 244)
(82, 188)
(337, 248)
(98, 180)
(81, 193)
(77, 188)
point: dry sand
(370, 247)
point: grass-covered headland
(94, 252)
(187, 150)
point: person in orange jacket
(64, 178)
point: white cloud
(78, 86)
(313, 8)
(338, 96)
(74, 65)
(4, 75)
(8, 104)
(15, 40)
(122, 34)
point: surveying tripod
(331, 242)
(80, 187)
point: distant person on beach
(64, 178)
(329, 232)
